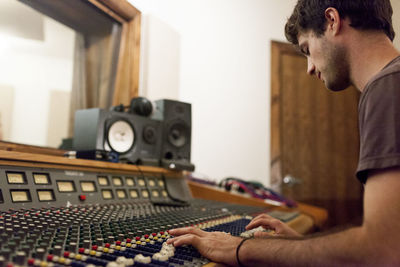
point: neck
(369, 54)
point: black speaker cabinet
(135, 138)
(176, 135)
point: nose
(310, 67)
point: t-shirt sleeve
(379, 122)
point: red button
(49, 257)
(107, 245)
(118, 243)
(31, 261)
(82, 197)
(66, 254)
(94, 247)
(81, 250)
(128, 240)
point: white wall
(220, 64)
(396, 22)
(215, 54)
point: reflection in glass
(52, 65)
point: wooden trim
(303, 224)
(319, 215)
(122, 8)
(7, 146)
(127, 77)
(135, 53)
(127, 80)
(28, 159)
(107, 10)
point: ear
(333, 20)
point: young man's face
(325, 59)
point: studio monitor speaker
(176, 134)
(137, 139)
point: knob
(20, 257)
(291, 181)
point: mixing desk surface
(112, 235)
(56, 215)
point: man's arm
(376, 242)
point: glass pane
(50, 69)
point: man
(346, 42)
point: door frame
(277, 50)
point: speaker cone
(178, 134)
(120, 136)
(149, 135)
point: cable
(255, 189)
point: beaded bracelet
(237, 251)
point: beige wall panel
(58, 117)
(6, 111)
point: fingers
(185, 236)
(191, 235)
(265, 222)
(252, 224)
(186, 239)
(187, 230)
(268, 222)
(216, 246)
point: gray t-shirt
(379, 121)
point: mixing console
(56, 217)
(111, 235)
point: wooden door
(314, 139)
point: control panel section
(29, 187)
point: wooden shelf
(14, 158)
(319, 216)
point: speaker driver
(149, 135)
(178, 134)
(121, 136)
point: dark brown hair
(363, 14)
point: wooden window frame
(127, 74)
(127, 79)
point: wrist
(239, 260)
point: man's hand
(270, 223)
(216, 246)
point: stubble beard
(338, 72)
